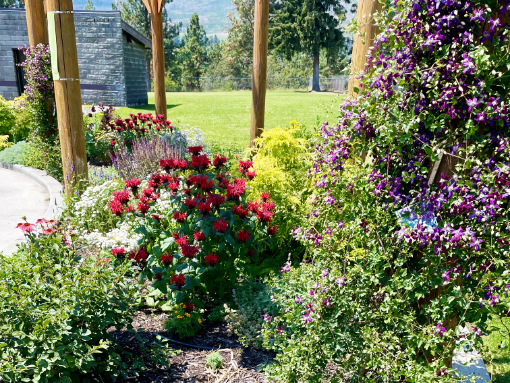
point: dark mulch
(239, 363)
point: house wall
(13, 34)
(102, 48)
(135, 69)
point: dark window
(19, 57)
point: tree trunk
(315, 81)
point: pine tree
(193, 55)
(308, 26)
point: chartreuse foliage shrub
(56, 310)
(194, 247)
(7, 117)
(401, 255)
(4, 142)
(281, 159)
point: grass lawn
(498, 359)
(225, 116)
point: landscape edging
(54, 188)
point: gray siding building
(111, 57)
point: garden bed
(188, 364)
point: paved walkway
(20, 196)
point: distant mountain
(212, 13)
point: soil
(187, 364)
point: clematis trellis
(427, 220)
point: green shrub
(56, 310)
(218, 314)
(44, 155)
(25, 119)
(7, 117)
(214, 360)
(184, 320)
(252, 302)
(14, 154)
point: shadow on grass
(150, 107)
(501, 361)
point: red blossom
(122, 196)
(190, 203)
(179, 217)
(189, 251)
(265, 196)
(253, 206)
(180, 239)
(173, 186)
(243, 236)
(236, 189)
(200, 162)
(116, 207)
(179, 280)
(250, 175)
(195, 150)
(211, 259)
(166, 260)
(268, 206)
(204, 208)
(188, 307)
(133, 184)
(143, 207)
(119, 252)
(147, 192)
(220, 226)
(158, 276)
(216, 199)
(271, 230)
(245, 165)
(168, 164)
(199, 236)
(139, 256)
(250, 253)
(156, 217)
(239, 211)
(219, 161)
(264, 215)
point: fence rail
(336, 84)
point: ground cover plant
(412, 242)
(225, 119)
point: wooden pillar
(155, 8)
(36, 22)
(363, 40)
(259, 77)
(68, 95)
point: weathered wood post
(66, 82)
(155, 8)
(36, 22)
(259, 77)
(363, 40)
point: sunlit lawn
(496, 352)
(225, 116)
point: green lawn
(225, 116)
(496, 350)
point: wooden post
(155, 8)
(36, 22)
(259, 77)
(68, 95)
(363, 40)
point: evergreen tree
(239, 45)
(89, 6)
(193, 55)
(308, 26)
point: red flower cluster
(116, 208)
(119, 252)
(211, 259)
(271, 230)
(219, 161)
(220, 226)
(195, 150)
(201, 181)
(236, 189)
(240, 212)
(265, 197)
(122, 196)
(139, 256)
(204, 208)
(216, 199)
(200, 162)
(133, 184)
(243, 236)
(199, 236)
(180, 239)
(173, 164)
(179, 280)
(179, 217)
(191, 203)
(189, 251)
(166, 260)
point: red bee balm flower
(243, 236)
(219, 161)
(220, 226)
(204, 208)
(199, 236)
(264, 196)
(133, 184)
(240, 212)
(271, 230)
(116, 207)
(179, 217)
(250, 175)
(211, 259)
(122, 196)
(195, 150)
(166, 260)
(179, 280)
(189, 251)
(200, 162)
(118, 252)
(180, 240)
(236, 189)
(216, 199)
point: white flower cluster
(96, 199)
(121, 236)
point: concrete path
(20, 196)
